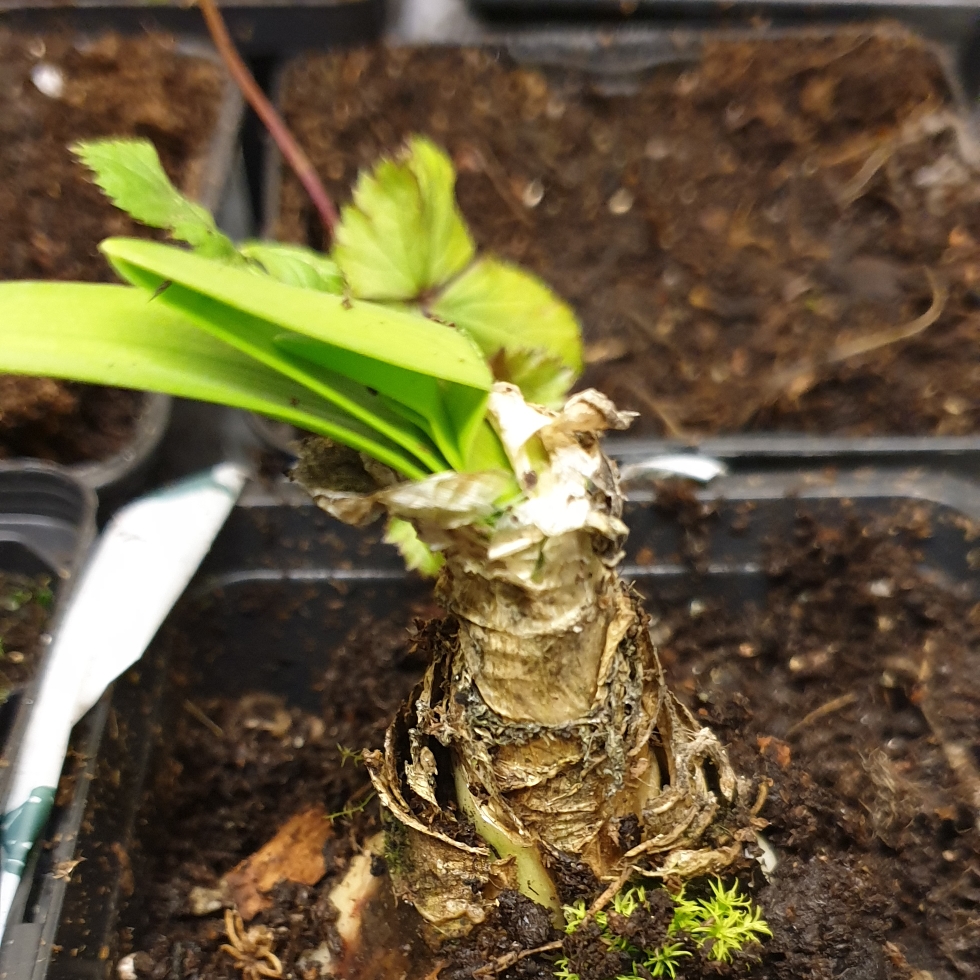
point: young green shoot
(725, 922)
(21, 595)
(348, 755)
(351, 809)
(17, 599)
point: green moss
(396, 844)
(722, 924)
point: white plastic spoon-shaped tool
(139, 567)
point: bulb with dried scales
(543, 723)
(542, 740)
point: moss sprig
(721, 925)
(727, 920)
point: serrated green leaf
(403, 234)
(541, 376)
(377, 241)
(114, 335)
(417, 554)
(296, 265)
(448, 245)
(130, 174)
(505, 309)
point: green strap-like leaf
(421, 395)
(505, 309)
(361, 351)
(376, 332)
(359, 385)
(115, 335)
(403, 234)
(257, 338)
(130, 174)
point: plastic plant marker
(139, 567)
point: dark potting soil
(52, 217)
(25, 604)
(747, 240)
(852, 686)
(64, 421)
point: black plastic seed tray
(616, 58)
(47, 524)
(261, 28)
(943, 19)
(779, 451)
(271, 558)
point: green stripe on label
(20, 828)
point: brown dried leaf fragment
(294, 854)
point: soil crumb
(54, 91)
(781, 235)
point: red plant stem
(273, 122)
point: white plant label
(138, 569)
